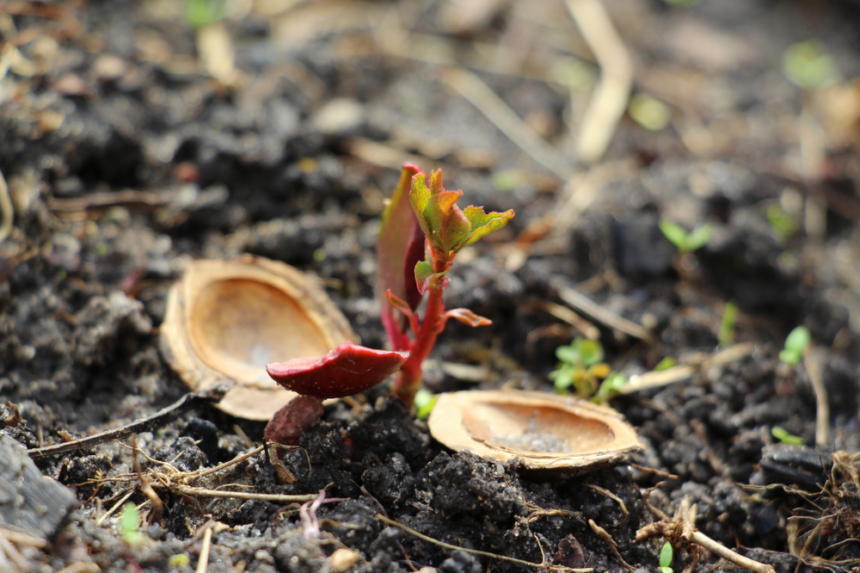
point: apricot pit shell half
(544, 433)
(228, 319)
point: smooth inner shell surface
(546, 433)
(228, 319)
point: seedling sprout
(727, 325)
(666, 556)
(686, 242)
(783, 436)
(795, 346)
(421, 232)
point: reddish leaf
(466, 316)
(290, 422)
(400, 244)
(398, 304)
(344, 371)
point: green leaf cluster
(581, 366)
(795, 346)
(448, 228)
(684, 241)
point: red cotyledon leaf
(399, 245)
(344, 371)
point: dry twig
(609, 100)
(428, 539)
(680, 530)
(497, 111)
(813, 364)
(587, 306)
(613, 547)
(191, 400)
(7, 211)
(685, 371)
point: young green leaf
(179, 561)
(665, 364)
(676, 234)
(562, 378)
(727, 326)
(423, 272)
(783, 436)
(666, 555)
(684, 241)
(424, 403)
(581, 352)
(448, 226)
(795, 345)
(698, 238)
(129, 521)
(590, 351)
(808, 66)
(482, 224)
(610, 386)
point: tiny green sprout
(684, 241)
(783, 436)
(202, 13)
(666, 556)
(509, 179)
(649, 112)
(424, 403)
(808, 66)
(727, 326)
(180, 561)
(609, 387)
(129, 520)
(665, 364)
(580, 367)
(795, 346)
(782, 224)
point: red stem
(410, 377)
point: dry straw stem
(813, 364)
(150, 423)
(166, 476)
(7, 211)
(616, 77)
(680, 530)
(607, 538)
(686, 371)
(503, 117)
(543, 565)
(587, 306)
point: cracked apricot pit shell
(543, 433)
(228, 319)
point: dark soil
(106, 96)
